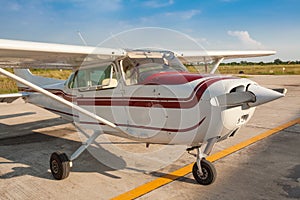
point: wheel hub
(204, 174)
(54, 167)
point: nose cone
(264, 95)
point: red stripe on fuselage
(152, 128)
(131, 125)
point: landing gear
(59, 165)
(204, 171)
(208, 172)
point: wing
(24, 54)
(216, 57)
(206, 56)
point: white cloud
(185, 15)
(245, 38)
(158, 4)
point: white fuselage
(152, 98)
(168, 113)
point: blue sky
(216, 24)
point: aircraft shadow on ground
(17, 115)
(33, 150)
(174, 177)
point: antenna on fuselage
(82, 39)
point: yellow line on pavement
(156, 183)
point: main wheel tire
(59, 165)
(209, 173)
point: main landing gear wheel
(59, 165)
(208, 175)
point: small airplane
(145, 95)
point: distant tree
(277, 61)
(244, 63)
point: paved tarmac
(269, 169)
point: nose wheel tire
(208, 175)
(59, 165)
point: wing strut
(61, 100)
(216, 65)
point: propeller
(254, 96)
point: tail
(37, 80)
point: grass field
(252, 69)
(9, 86)
(261, 69)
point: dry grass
(261, 69)
(52, 73)
(251, 69)
(7, 85)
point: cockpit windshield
(139, 67)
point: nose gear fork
(204, 171)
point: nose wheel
(204, 171)
(207, 175)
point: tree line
(275, 62)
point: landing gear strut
(204, 171)
(60, 164)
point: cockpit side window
(98, 77)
